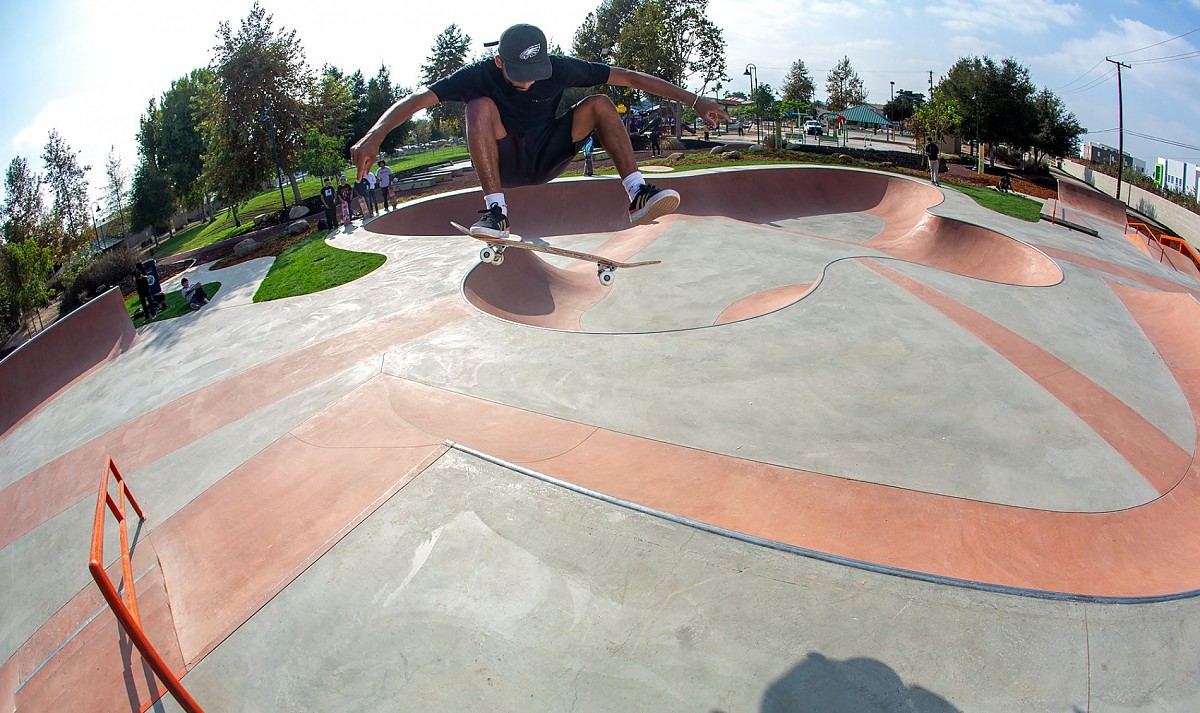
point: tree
(180, 144)
(1056, 131)
(597, 38)
(904, 105)
(67, 181)
(116, 187)
(798, 84)
(25, 265)
(262, 84)
(1001, 94)
(153, 199)
(674, 40)
(333, 107)
(23, 208)
(844, 87)
(941, 114)
(449, 54)
(322, 154)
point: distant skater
(933, 154)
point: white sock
(498, 199)
(632, 182)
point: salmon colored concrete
(1088, 200)
(528, 290)
(66, 480)
(1160, 461)
(61, 355)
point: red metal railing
(1165, 241)
(127, 611)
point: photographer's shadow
(858, 685)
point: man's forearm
(650, 83)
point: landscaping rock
(675, 157)
(297, 211)
(732, 155)
(298, 227)
(260, 219)
(245, 247)
(757, 147)
(717, 150)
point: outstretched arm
(708, 110)
(365, 152)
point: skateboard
(494, 254)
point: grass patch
(203, 234)
(176, 305)
(1016, 206)
(311, 265)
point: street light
(263, 116)
(978, 147)
(891, 114)
(752, 72)
(96, 225)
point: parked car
(812, 127)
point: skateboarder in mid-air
(513, 135)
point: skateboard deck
(494, 254)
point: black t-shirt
(327, 196)
(523, 112)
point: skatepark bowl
(745, 235)
(855, 445)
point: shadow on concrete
(860, 685)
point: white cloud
(1005, 15)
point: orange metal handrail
(127, 611)
(1163, 239)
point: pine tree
(844, 87)
(449, 54)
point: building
(1178, 176)
(1100, 153)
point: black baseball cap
(525, 54)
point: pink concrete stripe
(1158, 283)
(1154, 455)
(56, 486)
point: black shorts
(536, 158)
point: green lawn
(311, 265)
(1007, 203)
(176, 306)
(201, 234)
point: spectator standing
(372, 182)
(385, 184)
(346, 197)
(329, 202)
(932, 153)
(361, 188)
(143, 289)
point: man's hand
(710, 112)
(365, 153)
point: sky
(88, 69)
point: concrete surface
(900, 488)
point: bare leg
(597, 113)
(484, 129)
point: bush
(108, 270)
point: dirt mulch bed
(1025, 185)
(271, 248)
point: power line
(1156, 44)
(1080, 76)
(1163, 141)
(1092, 84)
(1161, 60)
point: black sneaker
(493, 224)
(650, 203)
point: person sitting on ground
(1005, 184)
(513, 135)
(195, 295)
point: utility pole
(1120, 125)
(931, 85)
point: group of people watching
(362, 199)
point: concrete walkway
(856, 444)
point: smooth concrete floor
(478, 587)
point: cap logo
(531, 51)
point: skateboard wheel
(487, 255)
(606, 277)
(498, 260)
